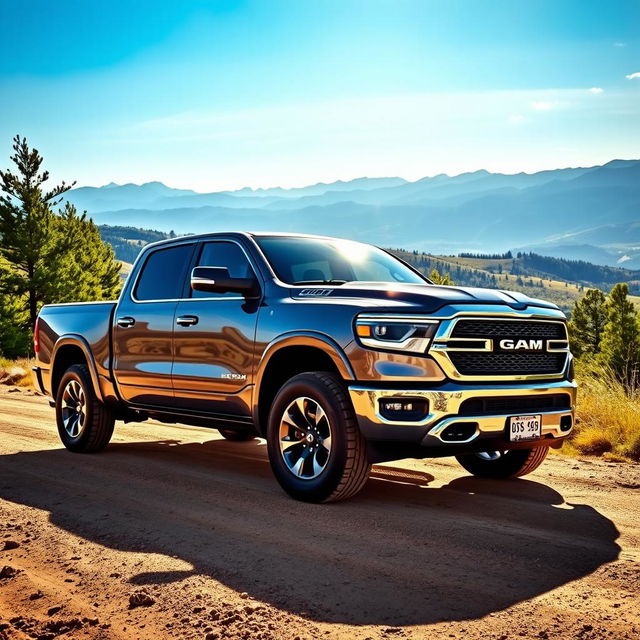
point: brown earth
(195, 531)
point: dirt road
(197, 529)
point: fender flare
(72, 339)
(300, 339)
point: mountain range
(588, 213)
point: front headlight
(395, 333)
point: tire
(237, 436)
(319, 402)
(507, 464)
(92, 430)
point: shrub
(608, 416)
(632, 449)
(15, 372)
(592, 441)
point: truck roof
(244, 234)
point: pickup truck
(338, 353)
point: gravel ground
(176, 533)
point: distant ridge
(572, 212)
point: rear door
(214, 337)
(143, 329)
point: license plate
(525, 428)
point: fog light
(566, 422)
(403, 410)
(459, 432)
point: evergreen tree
(89, 271)
(620, 347)
(45, 256)
(15, 340)
(588, 319)
(26, 228)
(438, 278)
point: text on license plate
(525, 428)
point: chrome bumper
(444, 407)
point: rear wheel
(503, 464)
(85, 424)
(316, 450)
(237, 436)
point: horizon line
(347, 181)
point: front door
(143, 327)
(214, 340)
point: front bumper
(444, 402)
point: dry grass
(608, 418)
(16, 373)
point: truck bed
(87, 321)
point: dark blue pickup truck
(336, 352)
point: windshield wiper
(320, 282)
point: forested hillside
(127, 241)
(600, 276)
(494, 273)
(533, 265)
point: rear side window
(224, 254)
(163, 274)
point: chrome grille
(509, 329)
(502, 362)
(486, 363)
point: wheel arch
(290, 355)
(70, 350)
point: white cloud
(596, 90)
(518, 118)
(543, 105)
(619, 44)
(633, 76)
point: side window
(223, 254)
(163, 274)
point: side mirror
(218, 280)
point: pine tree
(89, 271)
(26, 221)
(438, 278)
(45, 256)
(588, 319)
(620, 347)
(15, 340)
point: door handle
(187, 321)
(126, 322)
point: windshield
(328, 261)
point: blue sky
(221, 95)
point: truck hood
(421, 297)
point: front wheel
(316, 450)
(503, 464)
(85, 424)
